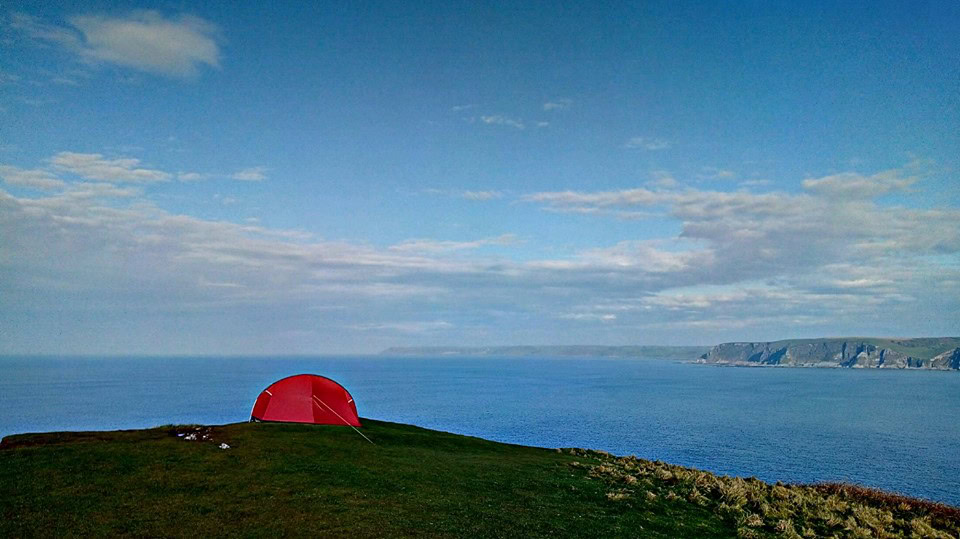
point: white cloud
(225, 200)
(740, 264)
(97, 167)
(861, 283)
(252, 174)
(33, 178)
(755, 183)
(148, 41)
(377, 290)
(557, 104)
(647, 143)
(853, 185)
(727, 324)
(663, 182)
(94, 166)
(437, 246)
(592, 201)
(695, 302)
(139, 247)
(602, 317)
(748, 235)
(714, 173)
(405, 327)
(45, 33)
(94, 190)
(502, 120)
(646, 257)
(481, 195)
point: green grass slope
(314, 480)
(325, 481)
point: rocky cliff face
(827, 353)
(947, 360)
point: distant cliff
(926, 353)
(659, 352)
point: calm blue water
(894, 430)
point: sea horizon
(791, 425)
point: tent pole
(345, 422)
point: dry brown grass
(759, 509)
(890, 500)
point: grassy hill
(327, 481)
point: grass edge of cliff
(308, 479)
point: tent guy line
(345, 422)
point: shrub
(618, 495)
(828, 510)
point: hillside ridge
(254, 479)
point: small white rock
(224, 446)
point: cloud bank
(831, 258)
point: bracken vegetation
(760, 509)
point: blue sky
(294, 178)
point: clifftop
(322, 480)
(925, 353)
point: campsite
(480, 268)
(305, 464)
(298, 479)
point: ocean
(895, 430)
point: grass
(759, 509)
(278, 479)
(300, 479)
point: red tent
(306, 398)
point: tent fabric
(306, 398)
